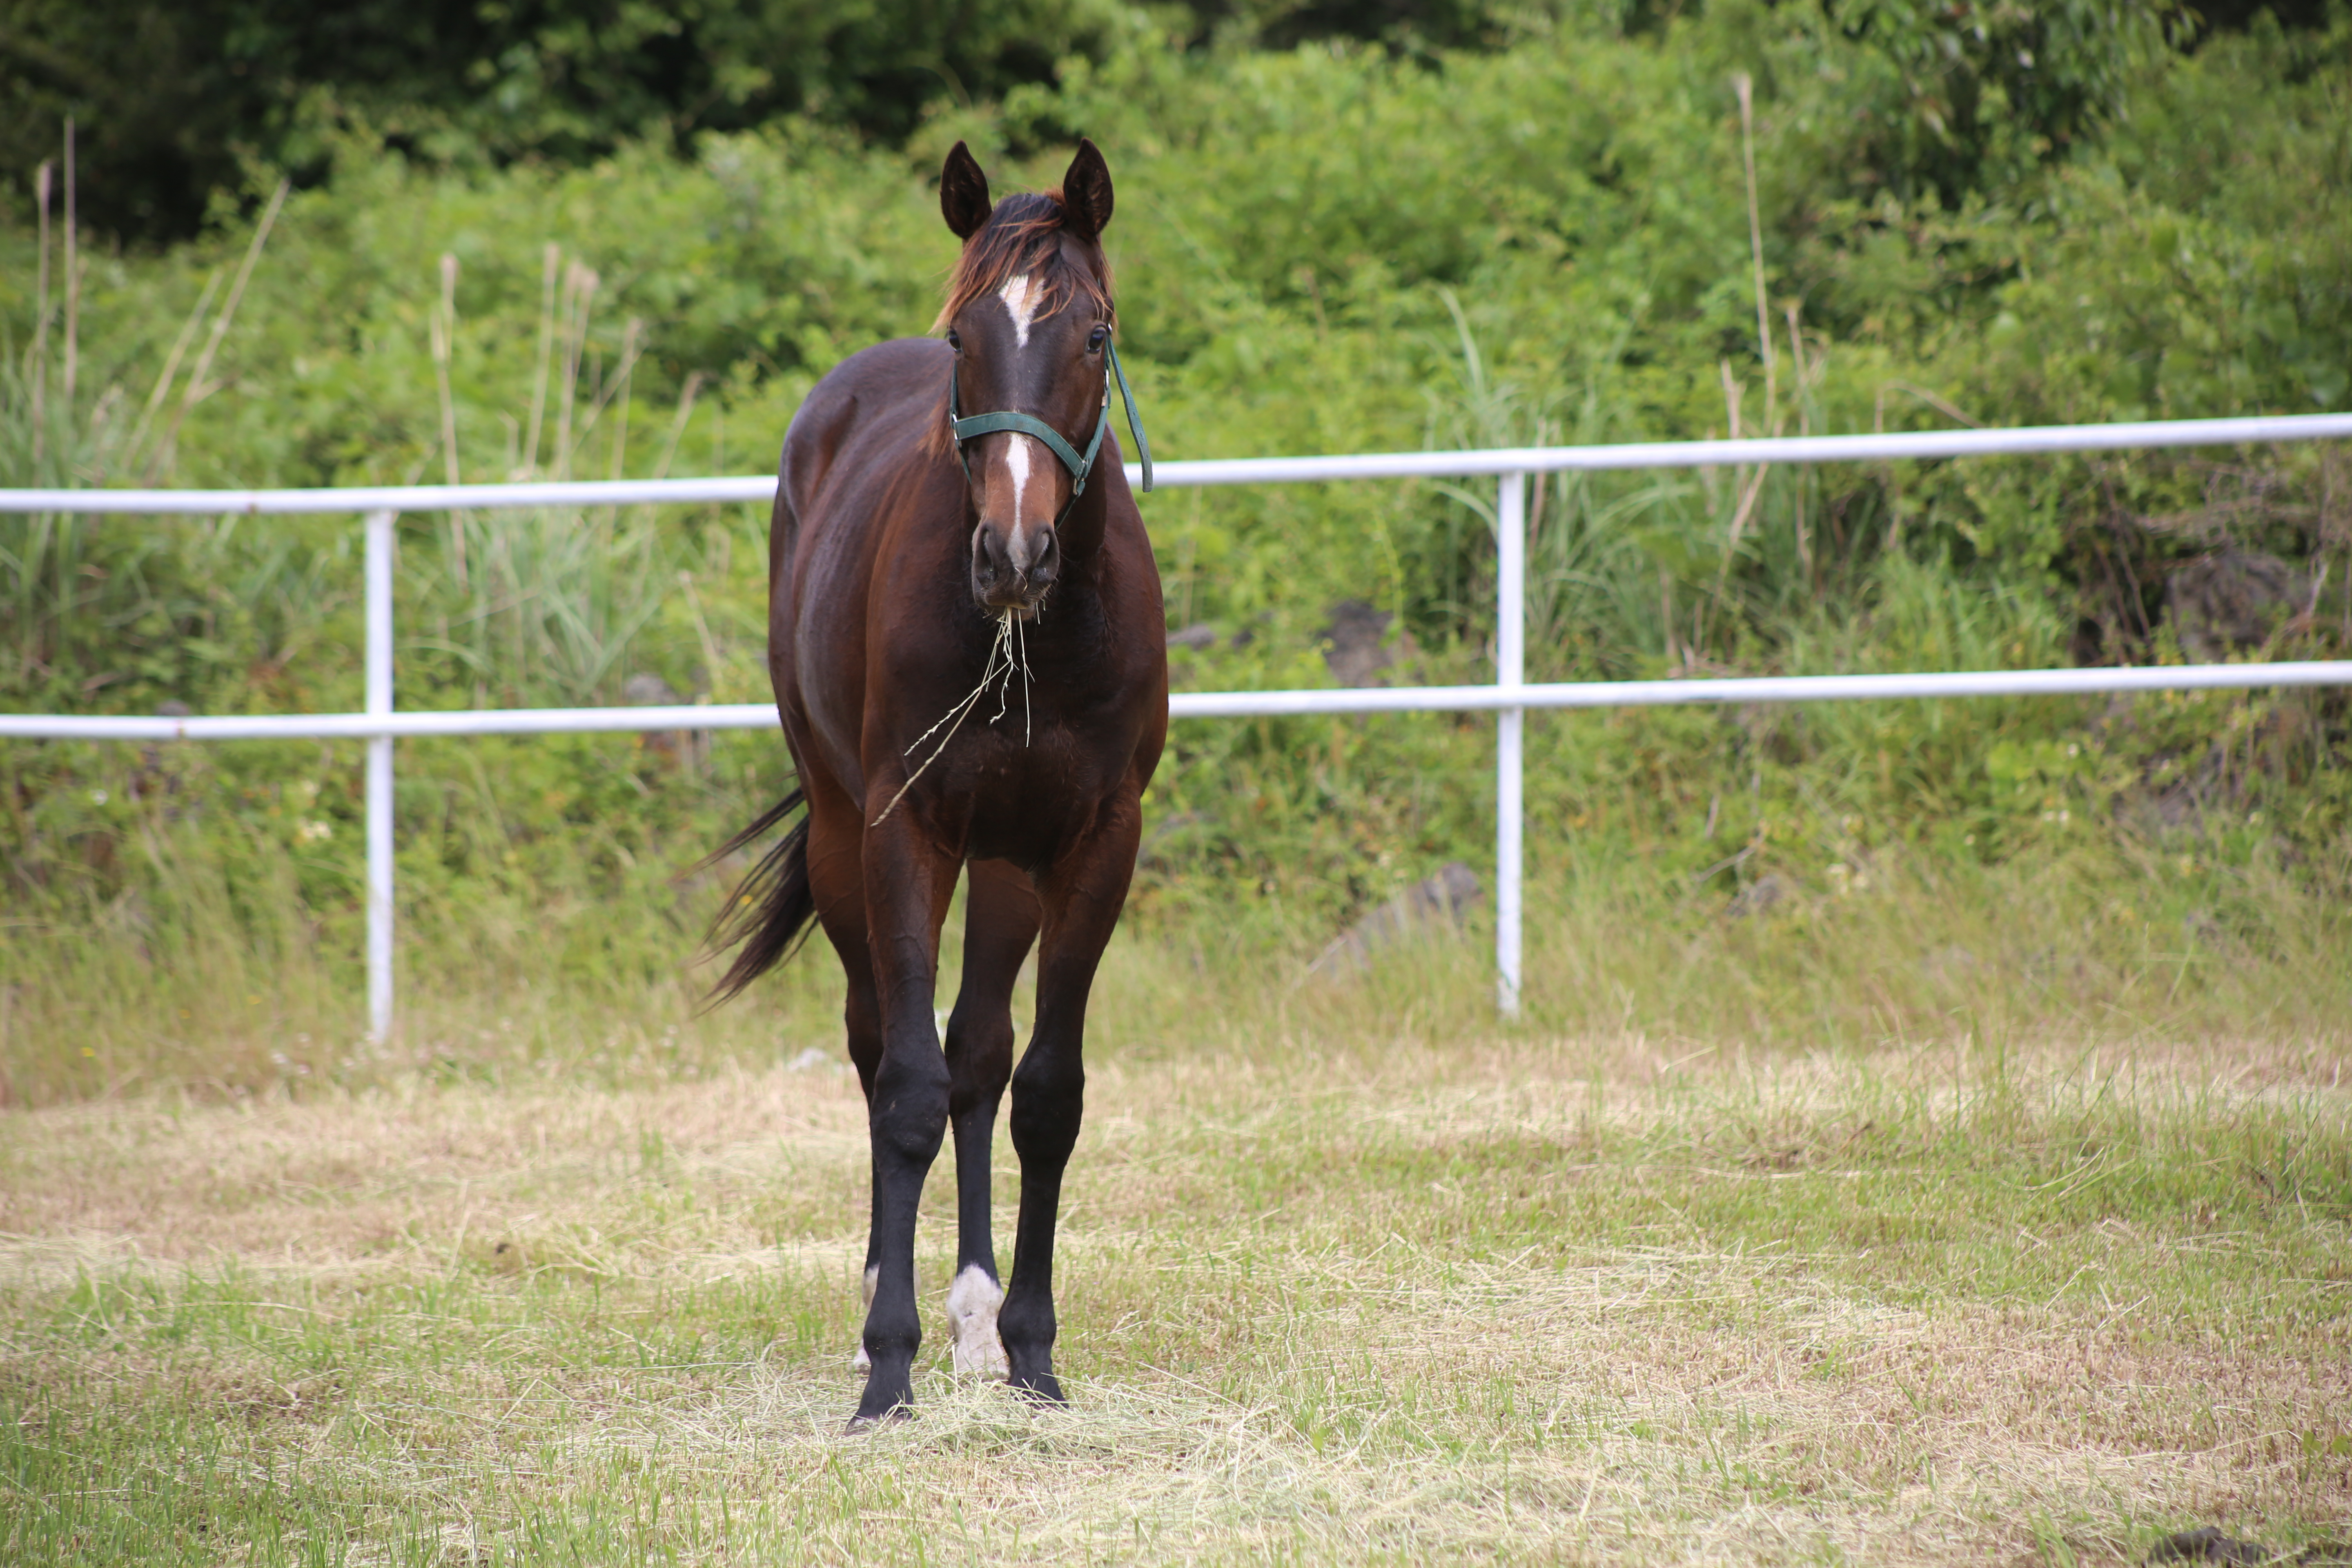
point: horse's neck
(1082, 532)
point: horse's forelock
(1026, 234)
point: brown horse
(965, 636)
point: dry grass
(1327, 1295)
(2106, 944)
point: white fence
(1509, 697)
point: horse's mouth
(1020, 607)
(1013, 573)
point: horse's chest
(1022, 795)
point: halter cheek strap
(1079, 464)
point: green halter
(1080, 465)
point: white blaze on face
(1016, 464)
(1021, 297)
(972, 1301)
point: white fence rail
(1508, 697)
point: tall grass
(1673, 264)
(235, 983)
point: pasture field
(1927, 1140)
(2051, 1258)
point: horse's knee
(908, 1108)
(1048, 1101)
(979, 1061)
(861, 1019)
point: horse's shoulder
(869, 394)
(875, 378)
(896, 367)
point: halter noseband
(1080, 465)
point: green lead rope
(1134, 425)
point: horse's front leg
(1000, 922)
(908, 880)
(1082, 894)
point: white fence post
(1510, 670)
(379, 775)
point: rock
(2207, 1545)
(156, 773)
(1437, 902)
(2184, 802)
(2200, 929)
(1354, 651)
(1952, 963)
(1756, 897)
(1200, 636)
(649, 690)
(2228, 603)
(646, 689)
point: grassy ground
(1348, 1274)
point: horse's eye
(954, 342)
(1096, 338)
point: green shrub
(1335, 247)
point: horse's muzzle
(1013, 573)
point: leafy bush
(1334, 248)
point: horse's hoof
(1042, 1389)
(859, 1426)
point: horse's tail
(769, 912)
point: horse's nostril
(1001, 569)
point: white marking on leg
(972, 1301)
(861, 1361)
(1020, 301)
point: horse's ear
(1086, 193)
(963, 193)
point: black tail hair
(769, 912)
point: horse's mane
(1023, 235)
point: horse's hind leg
(1000, 922)
(1081, 895)
(838, 883)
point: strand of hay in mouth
(1003, 649)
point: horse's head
(1029, 317)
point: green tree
(172, 97)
